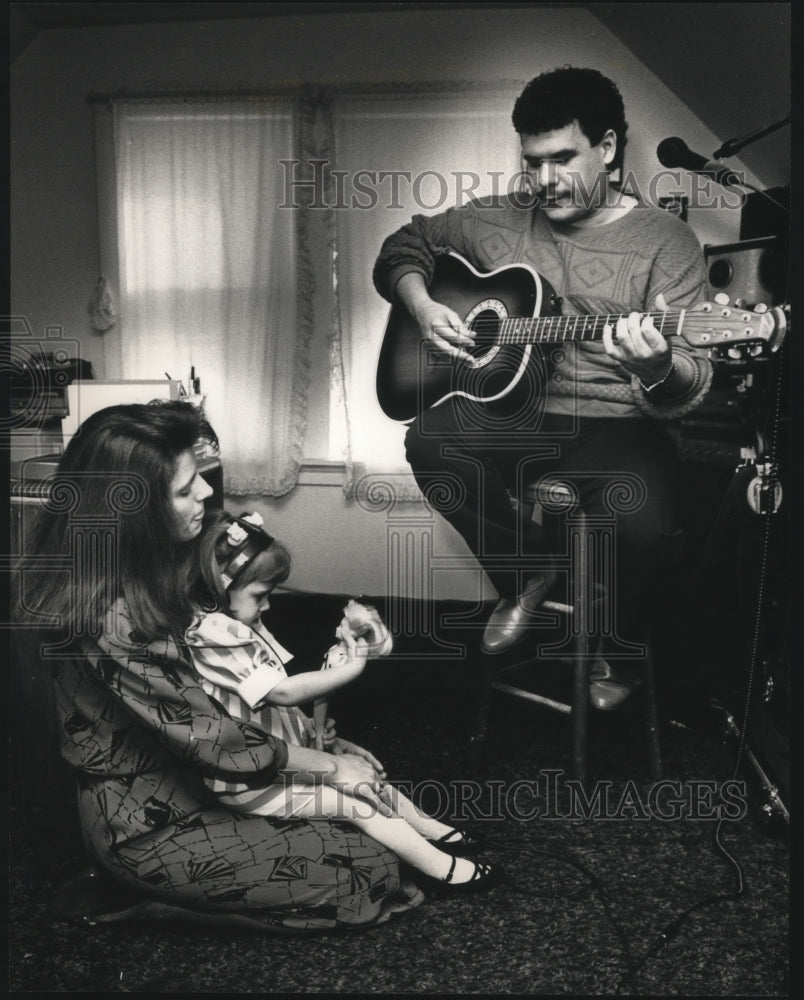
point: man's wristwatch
(650, 390)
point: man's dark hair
(557, 98)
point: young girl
(243, 667)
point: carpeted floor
(591, 906)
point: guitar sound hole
(486, 326)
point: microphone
(674, 152)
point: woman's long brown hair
(110, 518)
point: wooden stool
(586, 611)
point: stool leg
(580, 709)
(652, 717)
(581, 606)
(477, 740)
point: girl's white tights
(406, 832)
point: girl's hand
(329, 736)
(356, 648)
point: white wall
(338, 546)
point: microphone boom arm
(733, 146)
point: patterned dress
(142, 736)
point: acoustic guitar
(511, 310)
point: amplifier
(725, 421)
(752, 270)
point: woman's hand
(357, 777)
(341, 746)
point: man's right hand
(437, 322)
(444, 328)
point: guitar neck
(552, 329)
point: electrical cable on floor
(569, 859)
(670, 930)
(675, 926)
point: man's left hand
(638, 345)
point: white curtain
(214, 274)
(397, 156)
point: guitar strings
(510, 330)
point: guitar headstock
(716, 324)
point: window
(214, 274)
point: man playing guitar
(596, 415)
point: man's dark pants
(470, 459)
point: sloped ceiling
(728, 62)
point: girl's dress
(239, 665)
(143, 737)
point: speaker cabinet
(752, 270)
(766, 213)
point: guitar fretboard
(537, 329)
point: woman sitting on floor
(126, 507)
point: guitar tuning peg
(739, 303)
(722, 299)
(760, 307)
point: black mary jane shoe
(486, 876)
(460, 842)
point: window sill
(321, 472)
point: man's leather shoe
(610, 687)
(509, 620)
